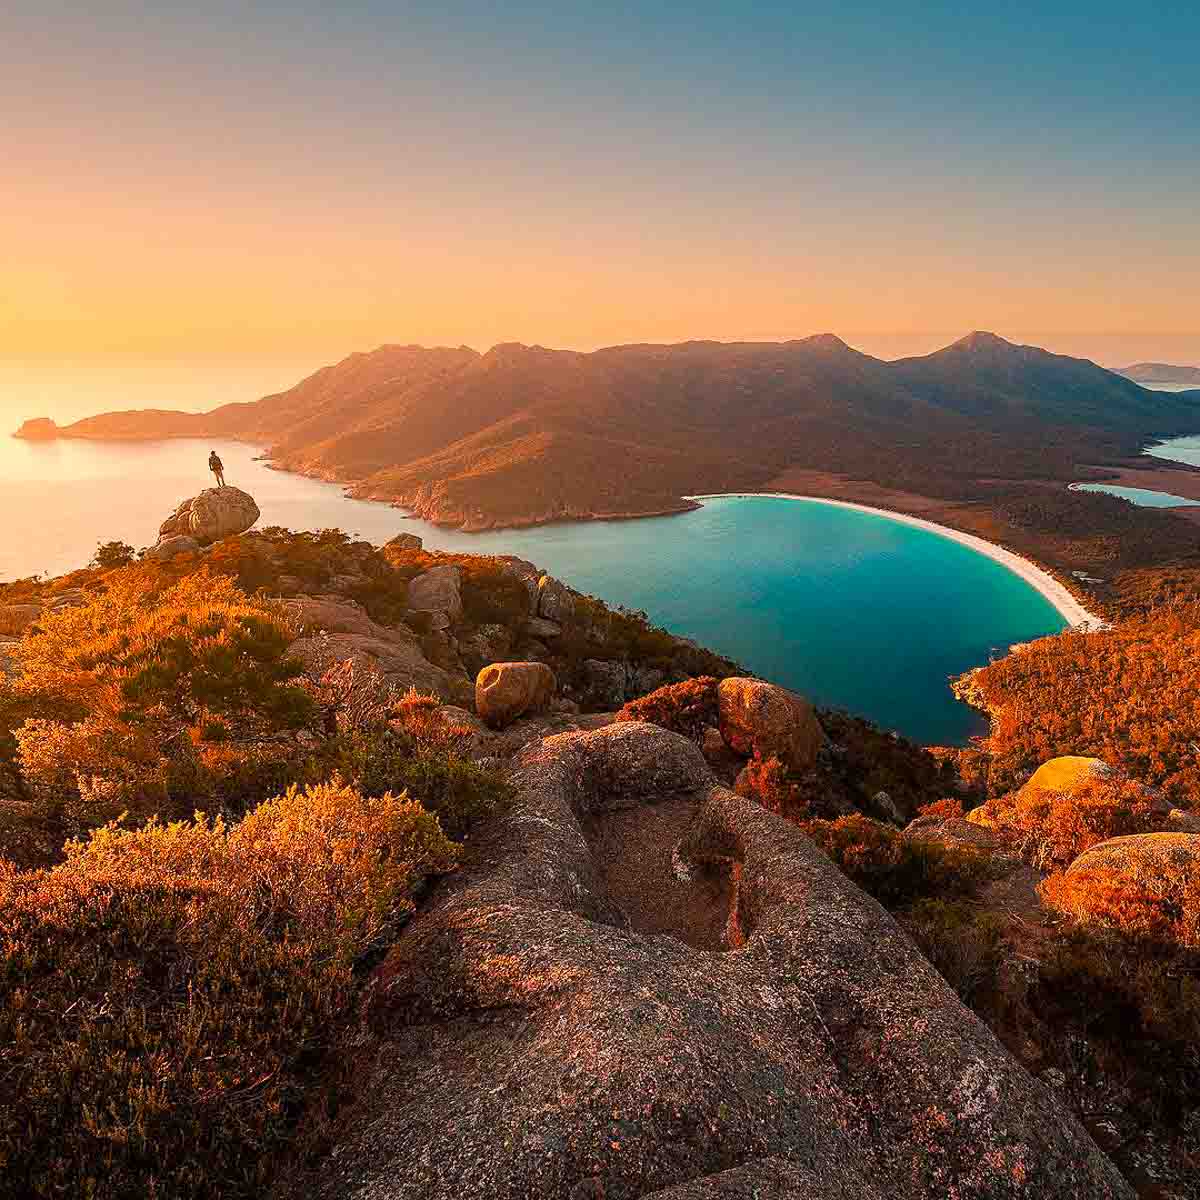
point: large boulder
(403, 542)
(438, 590)
(1160, 863)
(214, 514)
(506, 691)
(763, 718)
(1066, 776)
(554, 600)
(165, 549)
(1068, 773)
(639, 984)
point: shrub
(165, 992)
(111, 555)
(895, 869)
(768, 781)
(687, 708)
(1059, 826)
(965, 943)
(157, 694)
(946, 809)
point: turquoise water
(1181, 449)
(854, 610)
(1143, 497)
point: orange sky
(304, 184)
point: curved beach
(1037, 577)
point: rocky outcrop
(214, 514)
(768, 720)
(438, 590)
(641, 984)
(1068, 773)
(554, 600)
(1157, 862)
(333, 631)
(403, 542)
(605, 682)
(506, 691)
(168, 548)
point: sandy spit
(1038, 578)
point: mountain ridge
(524, 433)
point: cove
(853, 609)
(1142, 497)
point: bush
(165, 992)
(946, 809)
(111, 555)
(1060, 826)
(687, 708)
(768, 782)
(897, 870)
(965, 943)
(155, 695)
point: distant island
(1156, 372)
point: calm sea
(854, 610)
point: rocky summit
(640, 984)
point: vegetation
(152, 699)
(165, 991)
(1126, 695)
(895, 869)
(1056, 827)
(686, 708)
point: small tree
(111, 555)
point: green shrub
(896, 870)
(164, 993)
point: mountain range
(1156, 372)
(523, 434)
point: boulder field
(640, 984)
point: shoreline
(1038, 578)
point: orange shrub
(1059, 826)
(945, 809)
(686, 708)
(767, 782)
(165, 993)
(153, 695)
(1109, 898)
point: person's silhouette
(217, 467)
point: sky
(289, 182)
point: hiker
(217, 467)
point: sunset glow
(303, 182)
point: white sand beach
(1037, 577)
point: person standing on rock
(217, 467)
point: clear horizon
(294, 183)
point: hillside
(524, 434)
(503, 892)
(1150, 373)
